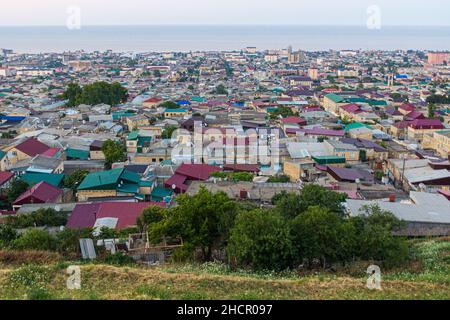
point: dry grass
(108, 282)
(17, 258)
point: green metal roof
(102, 180)
(128, 188)
(133, 135)
(335, 98)
(181, 110)
(356, 125)
(50, 178)
(158, 194)
(2, 154)
(77, 154)
(328, 159)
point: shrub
(260, 240)
(40, 218)
(14, 257)
(35, 239)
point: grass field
(429, 279)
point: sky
(224, 12)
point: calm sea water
(192, 38)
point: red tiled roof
(352, 108)
(85, 215)
(242, 167)
(153, 100)
(32, 147)
(197, 171)
(178, 181)
(407, 107)
(51, 152)
(126, 212)
(5, 176)
(40, 193)
(294, 120)
(426, 124)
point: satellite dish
(174, 186)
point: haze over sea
(212, 38)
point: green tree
(72, 93)
(114, 152)
(168, 131)
(290, 204)
(221, 89)
(40, 218)
(169, 105)
(35, 239)
(431, 109)
(316, 236)
(375, 235)
(7, 235)
(73, 180)
(15, 189)
(150, 216)
(260, 239)
(95, 93)
(203, 221)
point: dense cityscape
(249, 160)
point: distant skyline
(231, 12)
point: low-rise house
(111, 183)
(25, 150)
(175, 113)
(438, 141)
(39, 193)
(33, 178)
(115, 215)
(189, 172)
(5, 180)
(419, 127)
(427, 215)
(95, 150)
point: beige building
(438, 141)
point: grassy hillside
(427, 278)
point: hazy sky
(307, 12)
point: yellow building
(438, 141)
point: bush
(118, 259)
(260, 240)
(39, 218)
(35, 239)
(7, 235)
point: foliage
(221, 90)
(118, 259)
(150, 216)
(73, 180)
(438, 99)
(15, 189)
(35, 239)
(290, 204)
(168, 131)
(317, 236)
(114, 152)
(284, 112)
(431, 109)
(233, 176)
(260, 239)
(40, 218)
(7, 235)
(279, 179)
(68, 240)
(95, 93)
(169, 105)
(203, 221)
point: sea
(221, 38)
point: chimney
(392, 198)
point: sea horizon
(202, 37)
